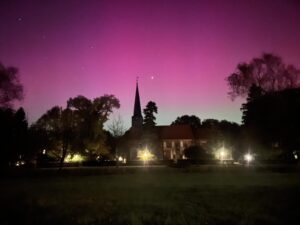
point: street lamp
(248, 157)
(222, 154)
(145, 155)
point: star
(152, 77)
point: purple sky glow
(182, 50)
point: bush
(196, 152)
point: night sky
(181, 50)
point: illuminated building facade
(164, 142)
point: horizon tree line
(270, 116)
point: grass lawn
(152, 196)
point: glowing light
(74, 158)
(248, 157)
(120, 158)
(44, 151)
(145, 155)
(20, 163)
(295, 155)
(222, 154)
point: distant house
(175, 139)
(162, 142)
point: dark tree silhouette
(222, 133)
(255, 92)
(192, 120)
(20, 130)
(10, 87)
(268, 72)
(210, 123)
(79, 127)
(274, 120)
(196, 152)
(90, 117)
(13, 133)
(58, 124)
(149, 119)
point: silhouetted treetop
(10, 87)
(78, 128)
(192, 120)
(101, 107)
(268, 72)
(150, 109)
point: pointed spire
(137, 104)
(137, 118)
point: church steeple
(137, 118)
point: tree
(116, 127)
(114, 135)
(255, 93)
(10, 87)
(57, 123)
(103, 106)
(13, 133)
(20, 132)
(221, 133)
(273, 120)
(90, 117)
(192, 120)
(210, 123)
(268, 72)
(79, 127)
(149, 120)
(196, 152)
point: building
(167, 142)
(159, 142)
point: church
(158, 142)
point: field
(196, 195)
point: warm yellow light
(145, 155)
(222, 153)
(74, 158)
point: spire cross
(137, 79)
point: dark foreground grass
(153, 196)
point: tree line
(270, 118)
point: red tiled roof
(175, 132)
(172, 132)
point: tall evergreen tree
(149, 119)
